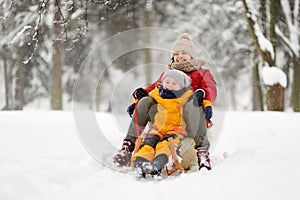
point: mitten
(139, 93)
(198, 97)
(130, 109)
(208, 112)
(203, 158)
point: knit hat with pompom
(183, 44)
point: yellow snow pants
(148, 152)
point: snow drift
(42, 157)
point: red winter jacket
(201, 79)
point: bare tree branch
(12, 2)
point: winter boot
(203, 158)
(123, 157)
(158, 164)
(160, 161)
(150, 169)
(188, 154)
(140, 166)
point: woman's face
(171, 84)
(181, 56)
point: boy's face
(170, 83)
(181, 56)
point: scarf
(171, 94)
(188, 66)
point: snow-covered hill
(41, 158)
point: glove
(208, 112)
(130, 109)
(123, 157)
(139, 93)
(198, 97)
(203, 158)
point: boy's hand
(139, 93)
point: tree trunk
(7, 103)
(265, 54)
(56, 99)
(275, 94)
(20, 77)
(296, 85)
(4, 57)
(258, 103)
(148, 57)
(232, 92)
(272, 34)
(275, 98)
(263, 13)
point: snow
(19, 34)
(292, 40)
(42, 157)
(77, 14)
(14, 35)
(273, 75)
(263, 42)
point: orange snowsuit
(168, 121)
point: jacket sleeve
(203, 79)
(209, 85)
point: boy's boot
(158, 164)
(140, 166)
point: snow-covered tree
(265, 43)
(18, 42)
(28, 36)
(34, 45)
(289, 34)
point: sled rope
(176, 163)
(138, 145)
(136, 121)
(139, 139)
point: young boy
(171, 97)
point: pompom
(185, 36)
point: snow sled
(172, 168)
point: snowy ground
(257, 158)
